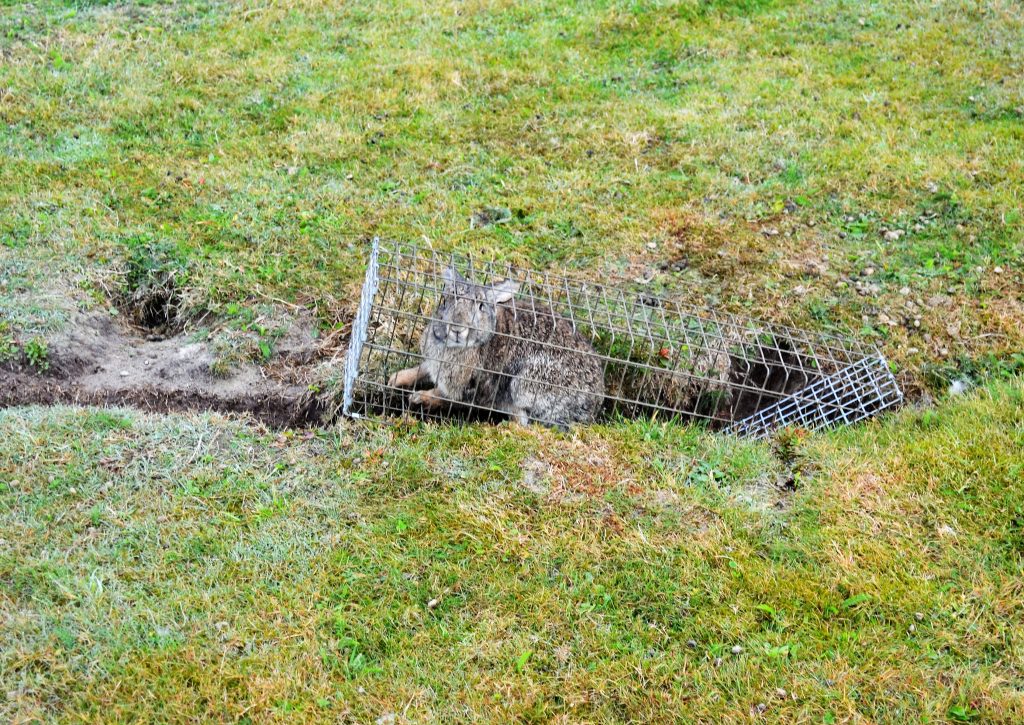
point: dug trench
(138, 352)
(103, 359)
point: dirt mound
(100, 360)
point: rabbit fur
(483, 348)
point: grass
(846, 165)
(192, 568)
(850, 166)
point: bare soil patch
(101, 360)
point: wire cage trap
(442, 336)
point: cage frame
(847, 380)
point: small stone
(718, 662)
(72, 490)
(761, 707)
(998, 270)
(780, 692)
(124, 373)
(913, 350)
(904, 291)
(433, 603)
(293, 170)
(919, 616)
(691, 643)
(652, 245)
(932, 187)
(893, 235)
(912, 629)
(737, 649)
(868, 271)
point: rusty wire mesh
(660, 357)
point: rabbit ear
(502, 292)
(451, 277)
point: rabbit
(520, 360)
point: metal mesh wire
(659, 357)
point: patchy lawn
(849, 166)
(171, 568)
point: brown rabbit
(518, 359)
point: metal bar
(359, 324)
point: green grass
(262, 147)
(850, 166)
(190, 568)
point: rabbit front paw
(405, 378)
(426, 398)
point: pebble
(433, 603)
(124, 373)
(904, 291)
(737, 649)
(868, 271)
(893, 235)
(998, 270)
(718, 661)
(780, 692)
(919, 616)
(652, 245)
(691, 643)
